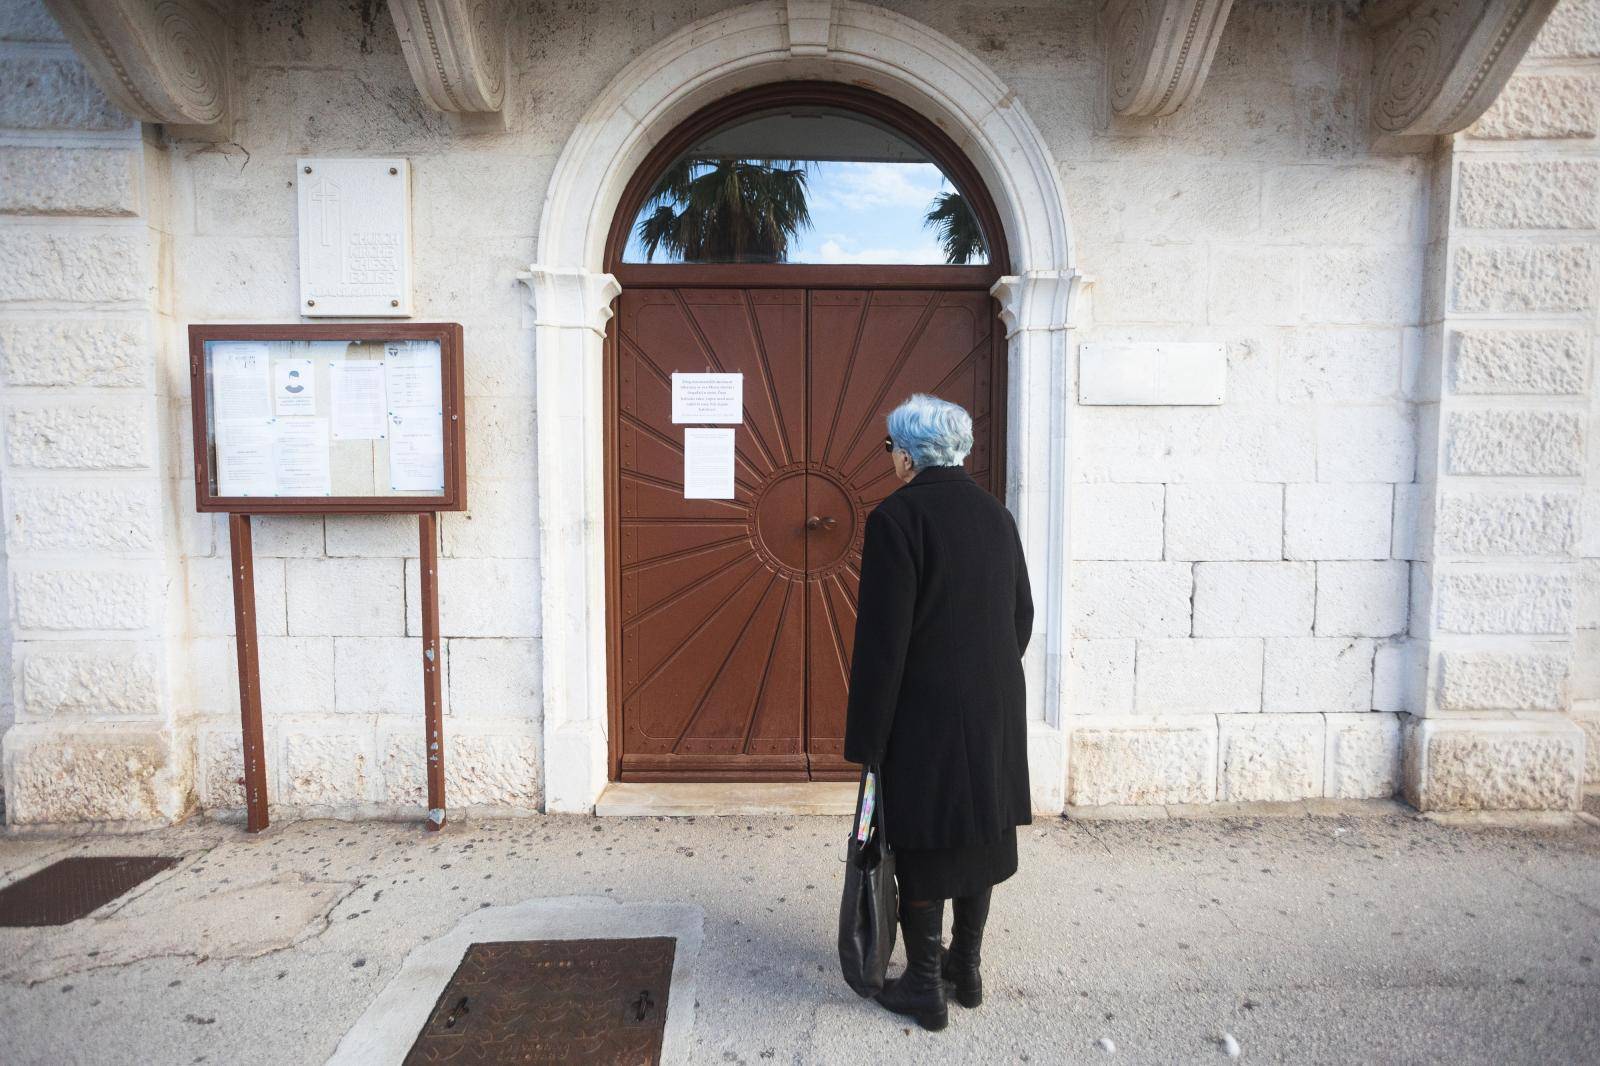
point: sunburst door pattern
(737, 616)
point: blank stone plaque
(355, 237)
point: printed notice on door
(717, 399)
(708, 464)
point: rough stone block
(1584, 684)
(101, 354)
(62, 600)
(1363, 756)
(1262, 442)
(296, 676)
(82, 435)
(1474, 599)
(1312, 674)
(1224, 521)
(1503, 681)
(367, 536)
(1140, 599)
(287, 536)
(1269, 757)
(378, 675)
(1514, 443)
(220, 774)
(210, 588)
(1399, 677)
(109, 680)
(495, 678)
(480, 770)
(50, 93)
(73, 266)
(1253, 599)
(1141, 282)
(1343, 204)
(85, 517)
(510, 424)
(1507, 523)
(1501, 277)
(1471, 764)
(1205, 676)
(1542, 107)
(1413, 522)
(1589, 721)
(1542, 194)
(1366, 444)
(479, 598)
(101, 776)
(1520, 362)
(501, 522)
(1572, 31)
(68, 181)
(1337, 521)
(325, 770)
(28, 20)
(1100, 676)
(1141, 761)
(346, 597)
(1362, 599)
(1189, 199)
(1111, 521)
(1325, 365)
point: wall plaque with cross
(355, 237)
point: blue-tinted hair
(932, 431)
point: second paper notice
(708, 464)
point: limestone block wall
(91, 528)
(1241, 572)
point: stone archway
(571, 297)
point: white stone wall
(1246, 579)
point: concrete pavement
(1366, 937)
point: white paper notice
(302, 457)
(413, 375)
(360, 411)
(239, 387)
(716, 398)
(416, 450)
(244, 457)
(294, 387)
(708, 464)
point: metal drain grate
(552, 1001)
(67, 890)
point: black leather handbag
(867, 913)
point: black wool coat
(936, 689)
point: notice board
(328, 418)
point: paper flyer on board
(416, 450)
(294, 387)
(413, 372)
(301, 457)
(708, 464)
(244, 457)
(360, 407)
(240, 387)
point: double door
(732, 620)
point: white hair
(932, 431)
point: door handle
(818, 522)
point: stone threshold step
(633, 799)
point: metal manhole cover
(69, 889)
(552, 1001)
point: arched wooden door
(731, 621)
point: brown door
(737, 617)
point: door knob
(818, 522)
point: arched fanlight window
(805, 185)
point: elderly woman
(936, 698)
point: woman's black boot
(919, 991)
(960, 965)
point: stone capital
(570, 297)
(1159, 51)
(456, 50)
(1040, 300)
(164, 63)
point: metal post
(433, 736)
(244, 636)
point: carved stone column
(571, 307)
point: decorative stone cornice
(809, 22)
(158, 62)
(1439, 64)
(456, 50)
(570, 297)
(1040, 299)
(1158, 52)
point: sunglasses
(888, 445)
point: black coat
(936, 689)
